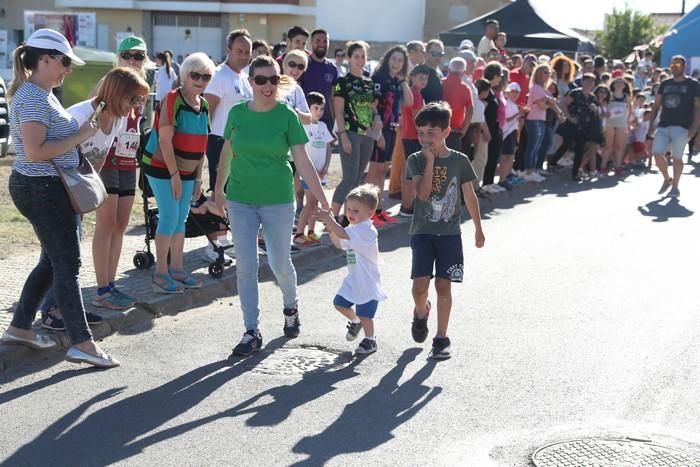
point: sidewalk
(152, 305)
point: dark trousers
(494, 155)
(214, 145)
(45, 204)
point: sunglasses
(194, 76)
(437, 54)
(299, 66)
(139, 56)
(64, 60)
(260, 80)
(134, 100)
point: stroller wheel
(143, 260)
(216, 270)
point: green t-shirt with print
(440, 215)
(359, 95)
(260, 171)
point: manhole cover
(301, 360)
(611, 452)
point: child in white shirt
(362, 287)
(319, 150)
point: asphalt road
(578, 318)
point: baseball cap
(466, 44)
(132, 43)
(53, 40)
(467, 55)
(513, 87)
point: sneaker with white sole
(665, 186)
(291, 322)
(353, 330)
(111, 301)
(251, 342)
(674, 193)
(366, 347)
(441, 348)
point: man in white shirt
(228, 87)
(475, 143)
(487, 42)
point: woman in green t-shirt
(258, 136)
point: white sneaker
(566, 162)
(490, 189)
(496, 189)
(533, 177)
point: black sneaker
(93, 318)
(441, 348)
(406, 212)
(291, 322)
(53, 320)
(293, 250)
(419, 328)
(353, 330)
(251, 342)
(366, 347)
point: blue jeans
(45, 204)
(535, 136)
(276, 221)
(547, 140)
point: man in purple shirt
(321, 74)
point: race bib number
(352, 259)
(127, 144)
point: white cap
(457, 64)
(513, 87)
(53, 40)
(466, 44)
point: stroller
(196, 226)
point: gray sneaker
(353, 330)
(674, 193)
(665, 186)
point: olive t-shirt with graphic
(359, 95)
(678, 101)
(440, 215)
(260, 171)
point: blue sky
(571, 13)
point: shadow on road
(369, 421)
(663, 212)
(110, 434)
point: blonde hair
(120, 83)
(196, 62)
(299, 55)
(366, 194)
(538, 75)
(25, 61)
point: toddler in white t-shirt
(362, 287)
(319, 150)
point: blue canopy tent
(683, 39)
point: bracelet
(174, 173)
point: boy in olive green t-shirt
(436, 240)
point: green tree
(623, 31)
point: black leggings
(494, 153)
(575, 140)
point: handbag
(83, 185)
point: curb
(218, 289)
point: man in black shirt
(678, 99)
(435, 51)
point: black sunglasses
(65, 61)
(136, 56)
(206, 77)
(260, 80)
(300, 66)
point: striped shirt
(33, 104)
(191, 129)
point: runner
(392, 91)
(678, 103)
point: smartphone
(96, 114)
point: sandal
(167, 286)
(185, 279)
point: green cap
(132, 43)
